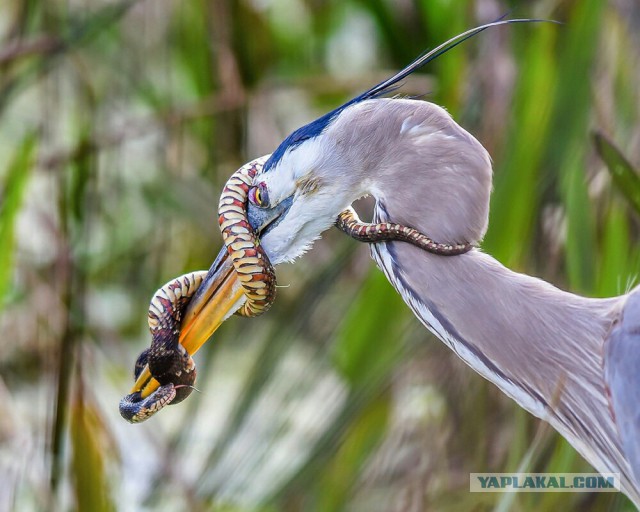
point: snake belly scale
(251, 263)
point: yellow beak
(218, 297)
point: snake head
(176, 373)
(135, 409)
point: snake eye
(259, 196)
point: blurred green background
(119, 123)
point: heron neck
(541, 346)
(525, 335)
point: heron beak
(218, 297)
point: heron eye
(259, 196)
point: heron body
(549, 350)
(570, 360)
(543, 347)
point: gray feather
(623, 376)
(549, 350)
(542, 346)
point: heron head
(301, 190)
(424, 170)
(323, 167)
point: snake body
(251, 263)
(349, 222)
(169, 363)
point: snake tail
(349, 222)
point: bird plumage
(622, 361)
(545, 348)
(569, 360)
(316, 127)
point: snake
(250, 261)
(169, 363)
(349, 223)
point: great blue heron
(570, 360)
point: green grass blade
(581, 225)
(12, 195)
(615, 268)
(89, 438)
(625, 177)
(515, 202)
(567, 147)
(368, 340)
(356, 446)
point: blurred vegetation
(119, 123)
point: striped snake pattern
(168, 361)
(251, 263)
(349, 222)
